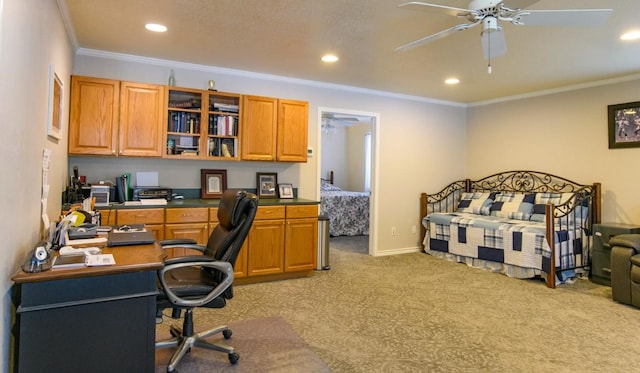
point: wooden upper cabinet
(141, 118)
(259, 126)
(93, 117)
(293, 124)
(110, 117)
(274, 129)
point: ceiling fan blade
(428, 7)
(494, 43)
(436, 36)
(519, 4)
(568, 17)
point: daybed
(522, 223)
(348, 212)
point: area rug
(266, 344)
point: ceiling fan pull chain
(489, 53)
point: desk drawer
(141, 216)
(269, 212)
(188, 215)
(302, 211)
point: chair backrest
(235, 215)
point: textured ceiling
(287, 38)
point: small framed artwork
(266, 183)
(213, 183)
(286, 190)
(624, 125)
(54, 120)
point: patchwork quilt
(520, 243)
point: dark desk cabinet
(74, 321)
(601, 250)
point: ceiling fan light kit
(490, 12)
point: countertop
(179, 203)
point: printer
(140, 193)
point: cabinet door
(93, 116)
(266, 240)
(293, 130)
(301, 244)
(258, 132)
(194, 231)
(141, 119)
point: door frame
(373, 200)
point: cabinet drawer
(141, 216)
(302, 211)
(188, 215)
(270, 212)
(213, 214)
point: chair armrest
(225, 268)
(192, 246)
(629, 240)
(178, 241)
(187, 259)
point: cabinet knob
(113, 151)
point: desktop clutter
(78, 240)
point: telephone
(40, 258)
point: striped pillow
(513, 206)
(476, 203)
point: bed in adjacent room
(348, 211)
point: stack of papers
(153, 201)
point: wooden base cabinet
(189, 223)
(301, 239)
(265, 255)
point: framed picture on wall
(213, 183)
(266, 183)
(54, 120)
(624, 125)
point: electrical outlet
(414, 229)
(393, 231)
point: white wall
(355, 158)
(565, 134)
(32, 36)
(415, 136)
(334, 154)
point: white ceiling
(288, 37)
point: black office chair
(205, 280)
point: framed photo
(213, 183)
(54, 120)
(266, 184)
(624, 125)
(286, 190)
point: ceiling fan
(489, 12)
(330, 120)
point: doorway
(347, 146)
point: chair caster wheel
(233, 358)
(227, 333)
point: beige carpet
(416, 313)
(264, 344)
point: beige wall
(32, 36)
(564, 134)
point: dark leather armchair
(205, 280)
(625, 269)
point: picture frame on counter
(213, 183)
(266, 183)
(285, 191)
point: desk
(89, 319)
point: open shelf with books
(184, 118)
(224, 124)
(202, 124)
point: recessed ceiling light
(631, 35)
(329, 58)
(452, 81)
(155, 27)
